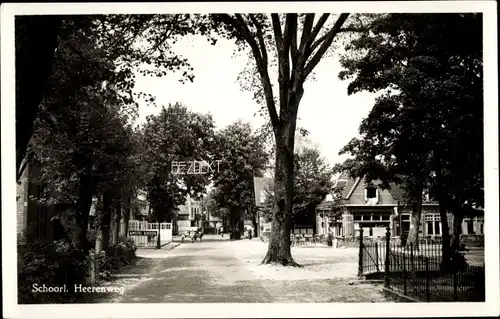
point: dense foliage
(425, 131)
(176, 135)
(242, 157)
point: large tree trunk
(126, 216)
(253, 214)
(415, 218)
(36, 41)
(443, 213)
(115, 230)
(107, 206)
(236, 223)
(83, 206)
(445, 244)
(458, 218)
(279, 242)
(415, 225)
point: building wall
(326, 225)
(183, 225)
(187, 213)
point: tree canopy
(242, 157)
(176, 135)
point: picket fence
(145, 234)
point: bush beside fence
(53, 264)
(58, 264)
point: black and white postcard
(250, 159)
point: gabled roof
(339, 185)
(350, 184)
(346, 186)
(396, 191)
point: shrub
(118, 255)
(49, 263)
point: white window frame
(433, 218)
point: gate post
(387, 247)
(158, 242)
(412, 259)
(360, 255)
(427, 279)
(455, 285)
(404, 272)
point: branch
(353, 29)
(288, 33)
(239, 24)
(27, 158)
(318, 27)
(326, 43)
(283, 44)
(293, 44)
(166, 35)
(260, 37)
(306, 31)
(277, 31)
(317, 43)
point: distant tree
(242, 157)
(312, 182)
(177, 135)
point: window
(357, 217)
(405, 227)
(470, 227)
(262, 196)
(371, 192)
(436, 228)
(482, 229)
(433, 222)
(430, 230)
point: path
(229, 271)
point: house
(213, 221)
(186, 215)
(375, 209)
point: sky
(326, 111)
